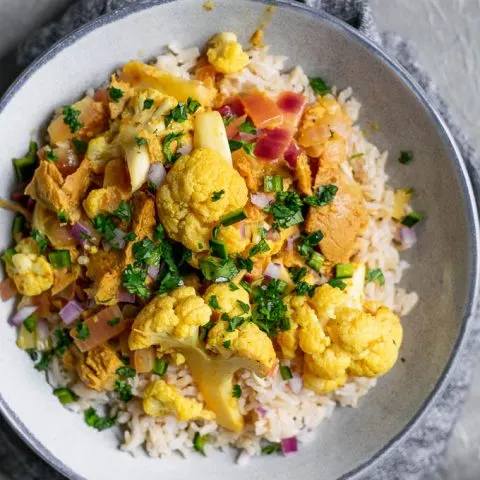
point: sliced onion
(157, 173)
(7, 289)
(144, 360)
(291, 154)
(126, 297)
(70, 312)
(273, 270)
(289, 445)
(261, 411)
(153, 271)
(23, 314)
(261, 200)
(291, 242)
(43, 335)
(243, 231)
(407, 237)
(81, 232)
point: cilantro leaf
(115, 94)
(248, 147)
(70, 118)
(217, 195)
(124, 211)
(106, 226)
(148, 103)
(286, 210)
(324, 195)
(319, 86)
(237, 391)
(214, 268)
(83, 331)
(172, 137)
(213, 302)
(124, 390)
(141, 141)
(192, 105)
(42, 241)
(248, 127)
(134, 277)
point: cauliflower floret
(160, 399)
(177, 314)
(233, 237)
(228, 301)
(246, 341)
(30, 271)
(97, 367)
(226, 53)
(119, 94)
(184, 201)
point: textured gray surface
(444, 32)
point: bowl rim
(443, 130)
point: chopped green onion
(356, 155)
(160, 367)
(337, 283)
(199, 442)
(25, 166)
(127, 372)
(271, 448)
(246, 286)
(273, 183)
(60, 258)
(319, 86)
(376, 275)
(285, 372)
(344, 270)
(406, 157)
(233, 217)
(316, 261)
(62, 217)
(30, 323)
(217, 195)
(65, 395)
(218, 248)
(7, 256)
(100, 423)
(18, 224)
(237, 391)
(233, 287)
(411, 219)
(213, 302)
(83, 331)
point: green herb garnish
(42, 241)
(411, 219)
(25, 166)
(80, 146)
(30, 323)
(160, 367)
(376, 275)
(114, 321)
(233, 217)
(217, 195)
(247, 127)
(273, 183)
(124, 390)
(237, 391)
(271, 448)
(60, 259)
(285, 372)
(319, 86)
(337, 283)
(199, 442)
(213, 302)
(406, 157)
(148, 103)
(70, 118)
(286, 210)
(100, 423)
(83, 331)
(134, 278)
(325, 194)
(50, 156)
(115, 94)
(248, 147)
(65, 395)
(126, 372)
(344, 270)
(172, 137)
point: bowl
(445, 261)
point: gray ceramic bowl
(445, 259)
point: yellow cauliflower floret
(227, 300)
(178, 314)
(97, 368)
(30, 271)
(246, 341)
(160, 399)
(234, 239)
(184, 201)
(226, 53)
(325, 300)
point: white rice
(281, 409)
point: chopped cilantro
(226, 344)
(199, 442)
(228, 119)
(124, 390)
(126, 372)
(233, 286)
(305, 247)
(172, 137)
(63, 340)
(213, 302)
(134, 280)
(248, 147)
(319, 86)
(141, 141)
(233, 322)
(80, 146)
(304, 288)
(177, 114)
(286, 210)
(245, 264)
(217, 195)
(297, 273)
(237, 391)
(148, 103)
(192, 105)
(406, 157)
(124, 211)
(214, 268)
(42, 241)
(204, 330)
(244, 306)
(83, 331)
(50, 156)
(114, 321)
(271, 447)
(62, 217)
(105, 225)
(130, 237)
(151, 187)
(246, 286)
(325, 194)
(100, 423)
(248, 127)
(337, 283)
(115, 94)
(44, 362)
(70, 118)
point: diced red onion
(291, 154)
(185, 149)
(243, 231)
(247, 137)
(23, 314)
(407, 237)
(273, 270)
(234, 107)
(80, 231)
(43, 335)
(126, 297)
(261, 411)
(153, 271)
(261, 200)
(289, 445)
(291, 242)
(70, 312)
(249, 278)
(119, 239)
(157, 174)
(273, 143)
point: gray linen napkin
(419, 456)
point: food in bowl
(206, 253)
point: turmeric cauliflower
(223, 300)
(177, 314)
(226, 53)
(160, 399)
(30, 271)
(184, 202)
(97, 367)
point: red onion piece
(273, 270)
(23, 314)
(261, 200)
(234, 107)
(157, 174)
(289, 445)
(70, 312)
(261, 411)
(273, 143)
(81, 232)
(243, 231)
(43, 334)
(291, 154)
(126, 297)
(407, 237)
(153, 271)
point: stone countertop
(446, 34)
